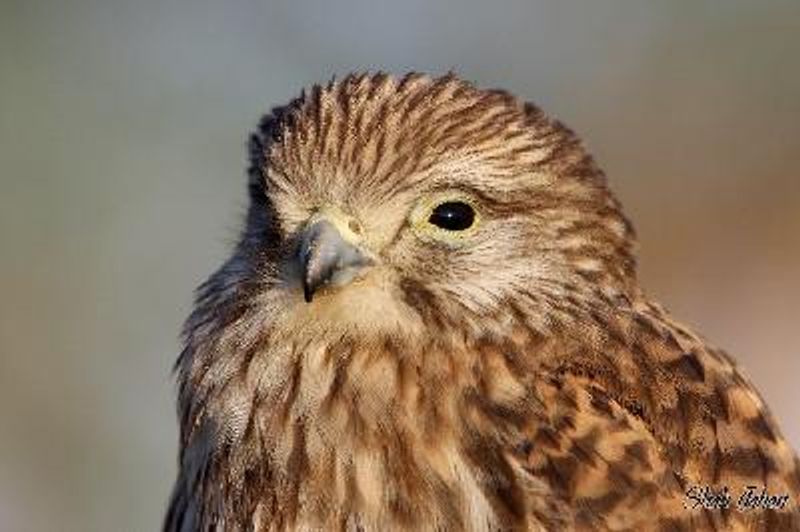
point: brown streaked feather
(524, 382)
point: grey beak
(327, 258)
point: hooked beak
(327, 258)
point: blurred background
(122, 156)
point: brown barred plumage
(513, 377)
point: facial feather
(480, 379)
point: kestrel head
(420, 201)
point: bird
(431, 320)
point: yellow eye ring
(449, 218)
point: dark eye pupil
(453, 216)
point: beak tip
(308, 292)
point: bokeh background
(122, 155)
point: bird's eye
(453, 216)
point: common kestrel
(432, 321)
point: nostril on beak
(354, 226)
